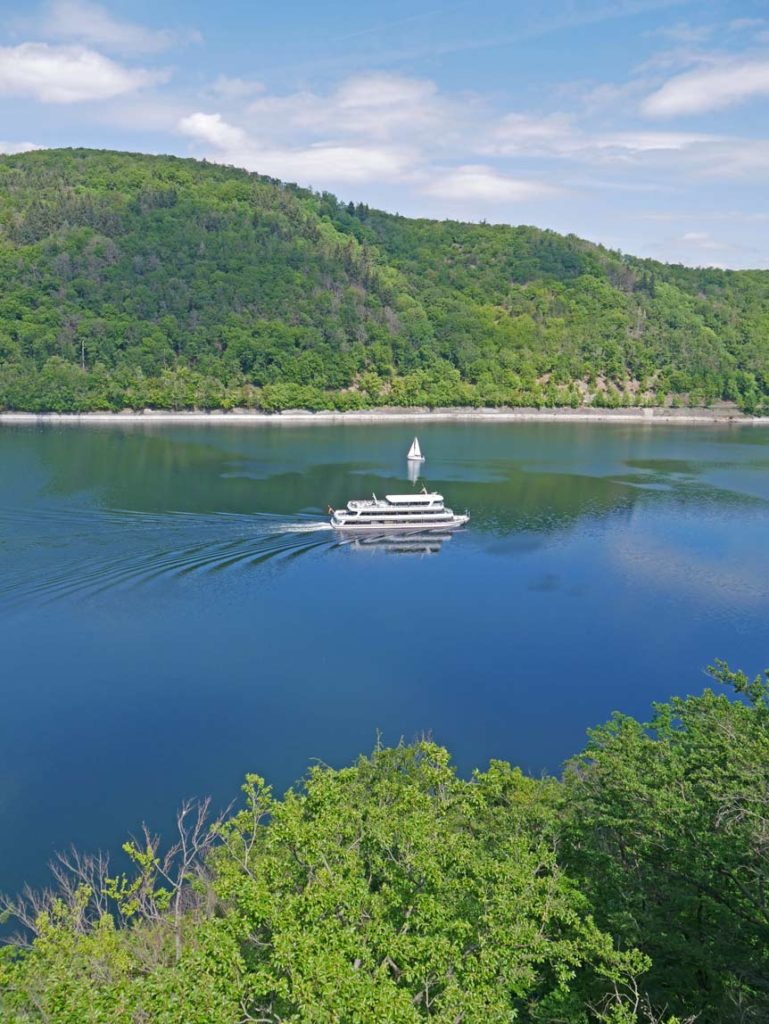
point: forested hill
(133, 281)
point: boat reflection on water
(413, 470)
(428, 543)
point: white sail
(415, 452)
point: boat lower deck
(388, 526)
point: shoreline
(682, 417)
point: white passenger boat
(424, 511)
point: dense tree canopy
(633, 891)
(669, 836)
(133, 281)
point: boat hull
(386, 528)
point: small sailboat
(415, 452)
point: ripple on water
(58, 553)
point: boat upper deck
(423, 498)
(397, 502)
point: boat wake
(49, 554)
(306, 527)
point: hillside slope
(133, 281)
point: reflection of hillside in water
(86, 511)
(158, 472)
(243, 472)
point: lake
(174, 611)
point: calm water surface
(173, 613)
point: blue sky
(641, 124)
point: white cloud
(522, 134)
(214, 130)
(91, 23)
(730, 215)
(606, 98)
(747, 24)
(480, 183)
(376, 105)
(377, 91)
(228, 88)
(315, 163)
(373, 127)
(709, 88)
(17, 147)
(151, 110)
(684, 33)
(734, 157)
(67, 74)
(558, 136)
(700, 248)
(705, 157)
(389, 129)
(648, 142)
(704, 240)
(337, 163)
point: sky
(640, 124)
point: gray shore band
(682, 417)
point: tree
(390, 891)
(669, 835)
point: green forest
(132, 282)
(631, 890)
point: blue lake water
(173, 612)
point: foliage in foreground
(133, 281)
(631, 892)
